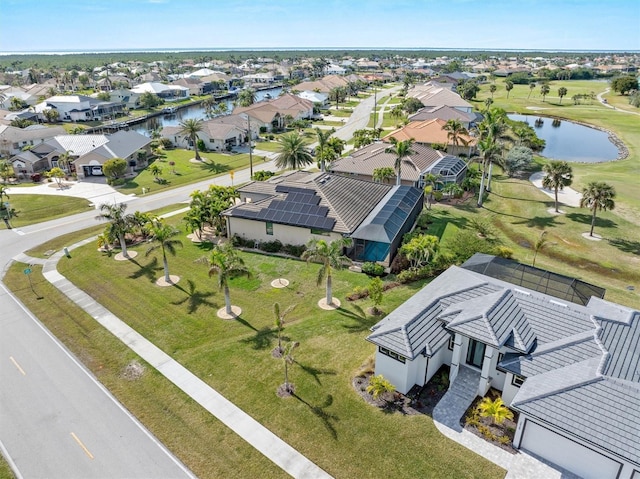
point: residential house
(216, 135)
(432, 132)
(13, 140)
(79, 108)
(445, 113)
(128, 98)
(333, 69)
(432, 96)
(563, 357)
(317, 98)
(195, 85)
(166, 92)
(274, 113)
(422, 161)
(324, 85)
(297, 206)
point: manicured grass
(184, 171)
(37, 208)
(5, 470)
(327, 421)
(342, 112)
(622, 174)
(330, 123)
(271, 146)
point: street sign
(27, 271)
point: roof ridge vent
(564, 305)
(522, 291)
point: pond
(570, 141)
(192, 112)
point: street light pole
(250, 153)
(375, 105)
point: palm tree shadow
(315, 372)
(194, 299)
(149, 270)
(362, 321)
(262, 339)
(586, 219)
(245, 323)
(214, 167)
(539, 222)
(324, 416)
(627, 246)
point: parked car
(96, 171)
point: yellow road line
(84, 448)
(15, 363)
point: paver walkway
(274, 448)
(447, 415)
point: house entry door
(475, 353)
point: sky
(112, 25)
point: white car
(96, 171)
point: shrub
(271, 246)
(294, 249)
(373, 269)
(36, 177)
(242, 242)
(504, 252)
(414, 274)
(504, 440)
(399, 263)
(263, 130)
(357, 293)
(262, 175)
(437, 195)
(486, 432)
(423, 220)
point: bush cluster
(270, 246)
(373, 269)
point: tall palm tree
(293, 153)
(190, 129)
(246, 97)
(382, 174)
(323, 137)
(558, 174)
(64, 160)
(456, 133)
(430, 181)
(119, 223)
(225, 262)
(488, 151)
(597, 195)
(401, 150)
(162, 234)
(330, 256)
(508, 85)
(544, 90)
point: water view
(570, 141)
(195, 112)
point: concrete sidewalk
(274, 448)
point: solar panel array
(300, 207)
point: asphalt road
(56, 420)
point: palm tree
(492, 89)
(378, 385)
(430, 181)
(508, 85)
(538, 246)
(64, 160)
(558, 174)
(246, 97)
(382, 174)
(532, 85)
(496, 410)
(544, 90)
(488, 151)
(162, 234)
(330, 256)
(323, 137)
(226, 263)
(562, 91)
(401, 150)
(455, 132)
(190, 129)
(293, 153)
(597, 195)
(120, 223)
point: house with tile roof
(432, 95)
(272, 113)
(297, 206)
(217, 135)
(13, 139)
(445, 113)
(79, 108)
(571, 370)
(432, 132)
(422, 161)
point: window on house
(517, 381)
(269, 228)
(319, 232)
(391, 354)
(452, 343)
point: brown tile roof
(429, 132)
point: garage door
(567, 454)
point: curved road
(56, 420)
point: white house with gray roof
(572, 371)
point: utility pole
(375, 105)
(250, 153)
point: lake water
(192, 112)
(570, 141)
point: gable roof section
(442, 112)
(430, 131)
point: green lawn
(37, 208)
(5, 470)
(271, 146)
(184, 172)
(328, 421)
(342, 112)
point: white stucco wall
(442, 356)
(509, 390)
(395, 372)
(286, 234)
